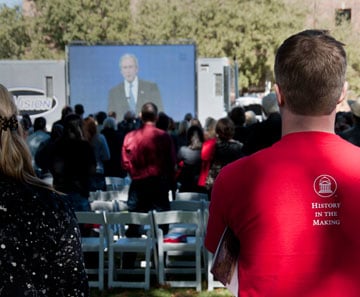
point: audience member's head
(270, 104)
(225, 129)
(39, 124)
(209, 128)
(195, 137)
(183, 126)
(250, 118)
(162, 121)
(112, 114)
(89, 128)
(300, 75)
(15, 158)
(100, 117)
(79, 110)
(66, 110)
(73, 127)
(149, 112)
(237, 115)
(109, 123)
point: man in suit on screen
(133, 92)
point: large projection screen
(94, 69)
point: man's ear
(279, 96)
(343, 92)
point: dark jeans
(144, 195)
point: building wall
(323, 12)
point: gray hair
(109, 122)
(129, 56)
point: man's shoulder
(147, 84)
(116, 88)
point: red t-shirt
(295, 208)
(149, 152)
(207, 155)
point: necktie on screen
(132, 98)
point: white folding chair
(192, 245)
(94, 244)
(114, 183)
(141, 245)
(191, 196)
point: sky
(11, 3)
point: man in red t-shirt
(295, 206)
(149, 156)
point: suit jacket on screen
(147, 92)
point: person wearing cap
(353, 133)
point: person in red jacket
(295, 206)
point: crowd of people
(266, 180)
(201, 150)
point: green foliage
(13, 33)
(61, 22)
(249, 31)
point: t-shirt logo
(325, 186)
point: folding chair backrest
(136, 218)
(189, 205)
(90, 217)
(94, 244)
(191, 196)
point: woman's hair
(89, 128)
(15, 157)
(109, 123)
(72, 127)
(209, 127)
(195, 137)
(225, 129)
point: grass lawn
(160, 292)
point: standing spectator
(267, 132)
(189, 160)
(79, 110)
(149, 157)
(101, 150)
(71, 161)
(295, 206)
(207, 152)
(237, 115)
(35, 139)
(100, 118)
(114, 139)
(352, 134)
(226, 149)
(40, 240)
(66, 110)
(27, 125)
(181, 134)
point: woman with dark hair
(40, 239)
(189, 160)
(71, 161)
(227, 149)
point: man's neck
(292, 123)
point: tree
(13, 33)
(61, 22)
(249, 31)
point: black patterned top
(40, 250)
